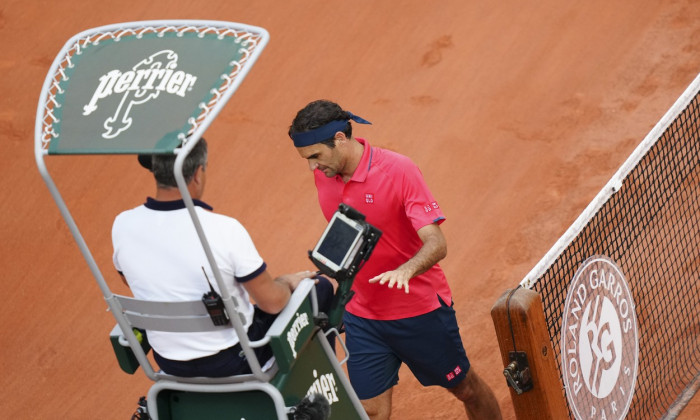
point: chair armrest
(125, 356)
(294, 326)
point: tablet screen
(338, 242)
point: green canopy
(143, 90)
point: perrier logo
(144, 82)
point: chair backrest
(186, 316)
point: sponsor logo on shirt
(430, 207)
(369, 198)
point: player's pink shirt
(389, 189)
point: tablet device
(339, 243)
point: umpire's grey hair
(163, 165)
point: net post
(520, 325)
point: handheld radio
(215, 305)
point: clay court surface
(517, 112)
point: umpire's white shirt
(157, 249)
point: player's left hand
(398, 278)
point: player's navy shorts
(429, 344)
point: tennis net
(646, 221)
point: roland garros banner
(145, 89)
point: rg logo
(599, 341)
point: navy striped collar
(153, 204)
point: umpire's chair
(259, 395)
(154, 87)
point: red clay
(517, 114)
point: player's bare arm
(433, 250)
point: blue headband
(324, 132)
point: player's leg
(478, 399)
(379, 407)
(373, 368)
(432, 348)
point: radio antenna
(207, 277)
